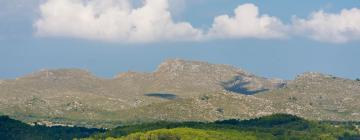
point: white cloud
(177, 7)
(112, 20)
(118, 20)
(121, 21)
(247, 23)
(329, 27)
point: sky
(272, 38)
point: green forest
(11, 129)
(273, 127)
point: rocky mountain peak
(59, 74)
(129, 74)
(312, 76)
(178, 65)
(174, 65)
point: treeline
(274, 127)
(11, 129)
(277, 127)
(191, 134)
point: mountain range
(179, 90)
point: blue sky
(30, 39)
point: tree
(357, 79)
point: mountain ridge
(164, 66)
(180, 90)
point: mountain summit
(177, 90)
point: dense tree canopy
(15, 130)
(278, 126)
(274, 127)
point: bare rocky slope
(178, 90)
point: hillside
(178, 90)
(318, 96)
(208, 107)
(314, 96)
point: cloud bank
(112, 20)
(336, 28)
(121, 21)
(247, 24)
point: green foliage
(278, 126)
(189, 134)
(267, 121)
(292, 98)
(205, 98)
(274, 127)
(15, 130)
(357, 79)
